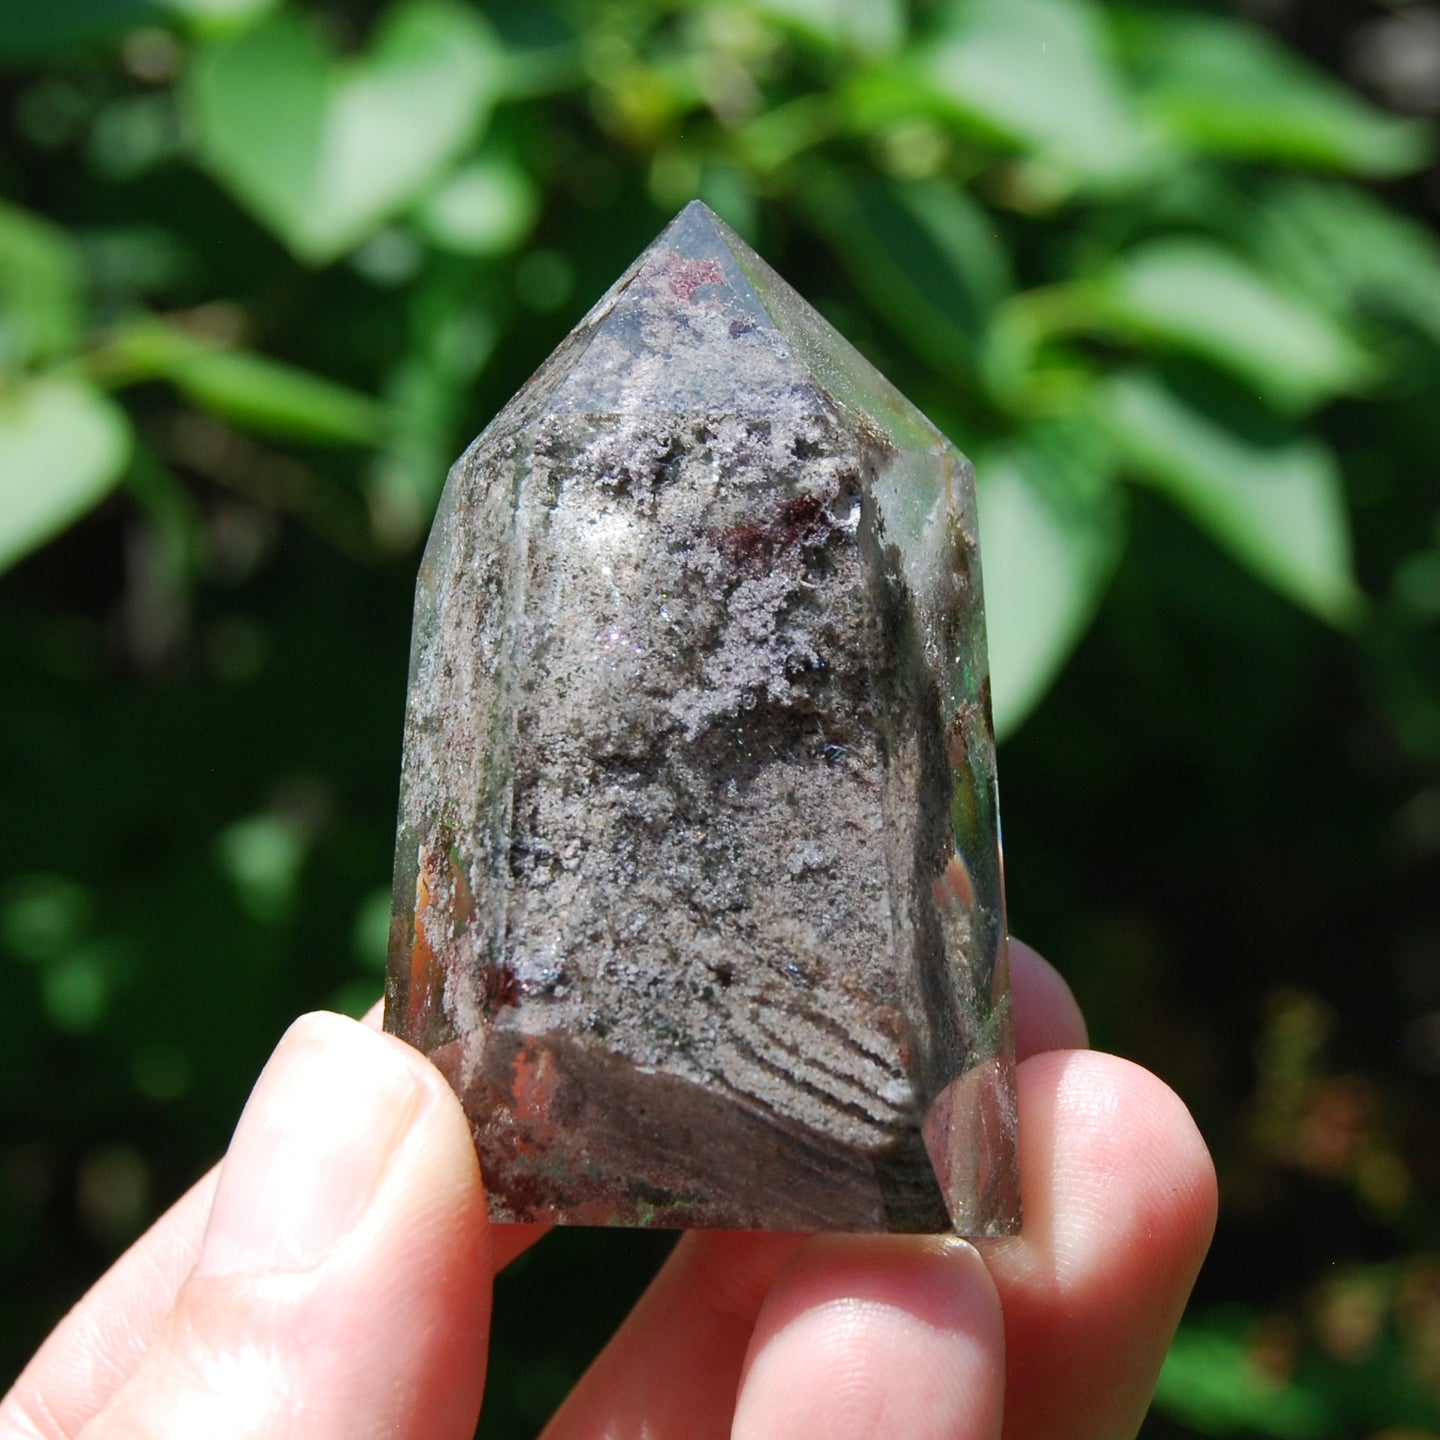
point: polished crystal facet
(698, 899)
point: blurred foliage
(265, 267)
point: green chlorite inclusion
(698, 897)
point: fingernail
(309, 1152)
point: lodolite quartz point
(698, 895)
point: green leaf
(246, 389)
(1037, 74)
(1276, 508)
(925, 254)
(1194, 296)
(1347, 251)
(1228, 89)
(1051, 529)
(218, 16)
(1211, 1381)
(870, 27)
(485, 208)
(63, 447)
(39, 289)
(324, 150)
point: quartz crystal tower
(698, 897)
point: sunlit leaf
(1037, 74)
(63, 447)
(868, 26)
(248, 390)
(925, 254)
(1222, 86)
(1278, 509)
(323, 150)
(218, 16)
(1051, 528)
(1345, 249)
(1197, 297)
(485, 208)
(39, 288)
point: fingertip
(871, 1336)
(674, 1366)
(321, 1126)
(1107, 1147)
(344, 1275)
(1182, 1177)
(1119, 1196)
(1047, 1016)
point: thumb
(342, 1287)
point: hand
(331, 1279)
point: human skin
(332, 1278)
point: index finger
(97, 1346)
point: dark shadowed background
(1165, 271)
